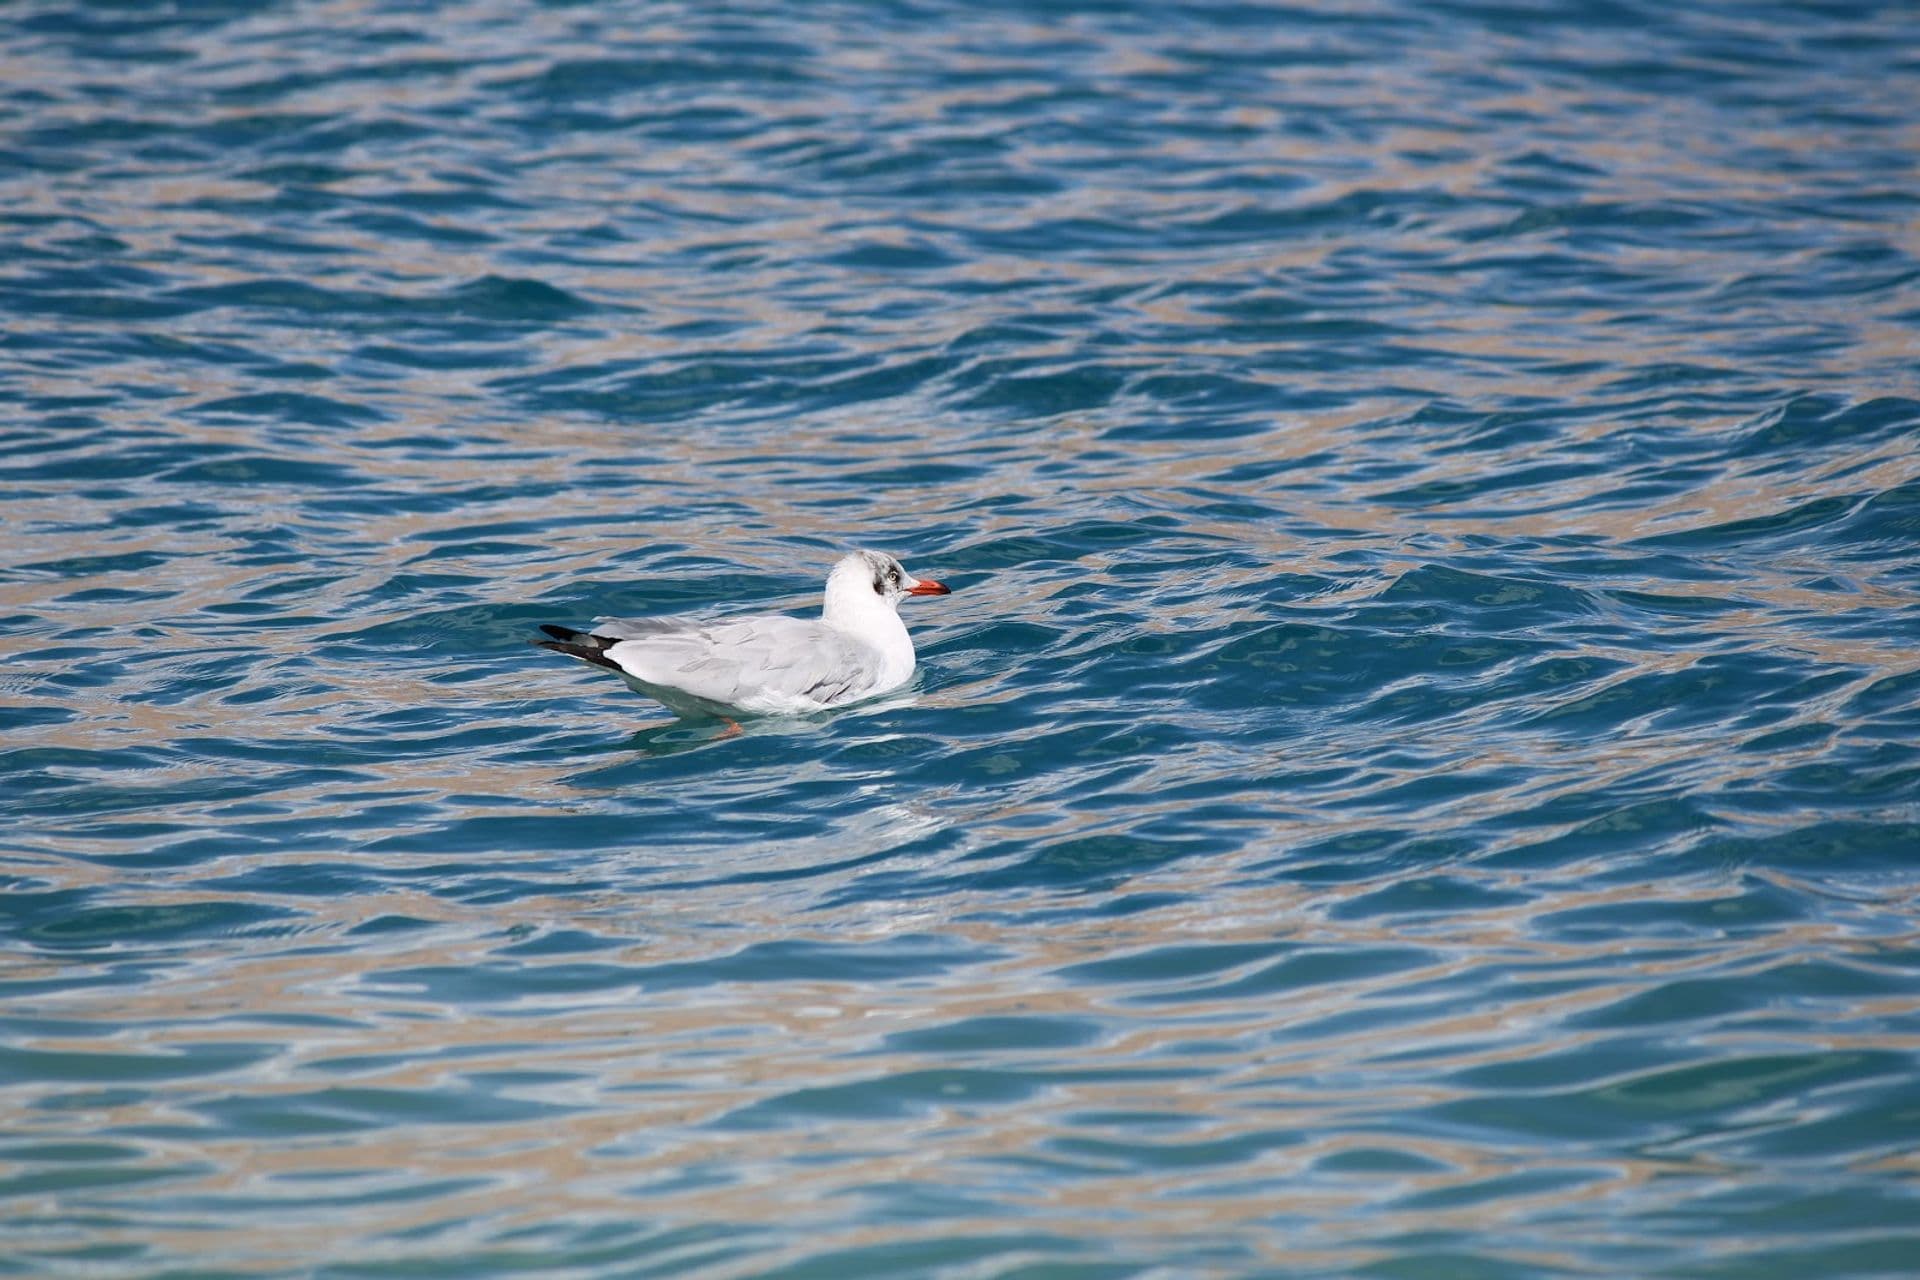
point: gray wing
(739, 661)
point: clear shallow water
(1420, 775)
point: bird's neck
(875, 624)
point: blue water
(1419, 775)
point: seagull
(857, 648)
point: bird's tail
(577, 644)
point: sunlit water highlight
(1420, 775)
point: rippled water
(1419, 777)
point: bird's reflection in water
(671, 737)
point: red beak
(927, 587)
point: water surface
(1419, 777)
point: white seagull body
(857, 648)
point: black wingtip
(566, 634)
(586, 653)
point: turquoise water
(1419, 776)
